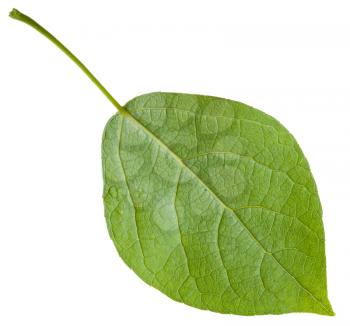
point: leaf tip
(331, 313)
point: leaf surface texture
(213, 203)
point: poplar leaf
(213, 203)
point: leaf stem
(16, 14)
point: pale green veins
(213, 203)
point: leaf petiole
(16, 14)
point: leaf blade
(173, 126)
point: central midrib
(131, 118)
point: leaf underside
(213, 203)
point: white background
(57, 263)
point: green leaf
(213, 203)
